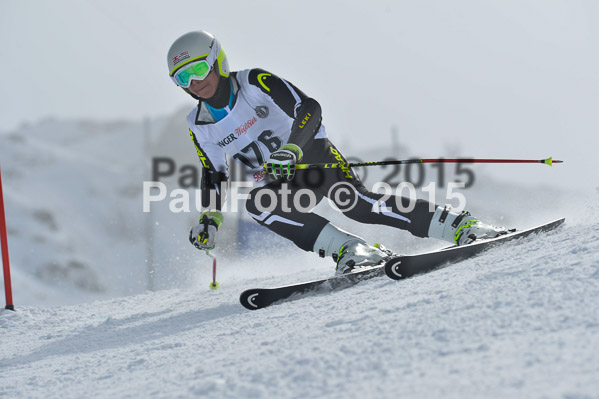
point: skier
(259, 118)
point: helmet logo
(178, 58)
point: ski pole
(549, 161)
(214, 284)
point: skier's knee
(250, 204)
(261, 199)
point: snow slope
(519, 321)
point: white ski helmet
(189, 51)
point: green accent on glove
(294, 149)
(213, 215)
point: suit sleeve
(305, 111)
(213, 190)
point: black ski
(258, 298)
(408, 265)
(396, 268)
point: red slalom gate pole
(4, 246)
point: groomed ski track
(519, 321)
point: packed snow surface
(519, 321)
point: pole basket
(4, 249)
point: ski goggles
(197, 70)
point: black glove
(203, 234)
(282, 162)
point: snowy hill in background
(69, 188)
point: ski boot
(350, 252)
(357, 256)
(461, 228)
